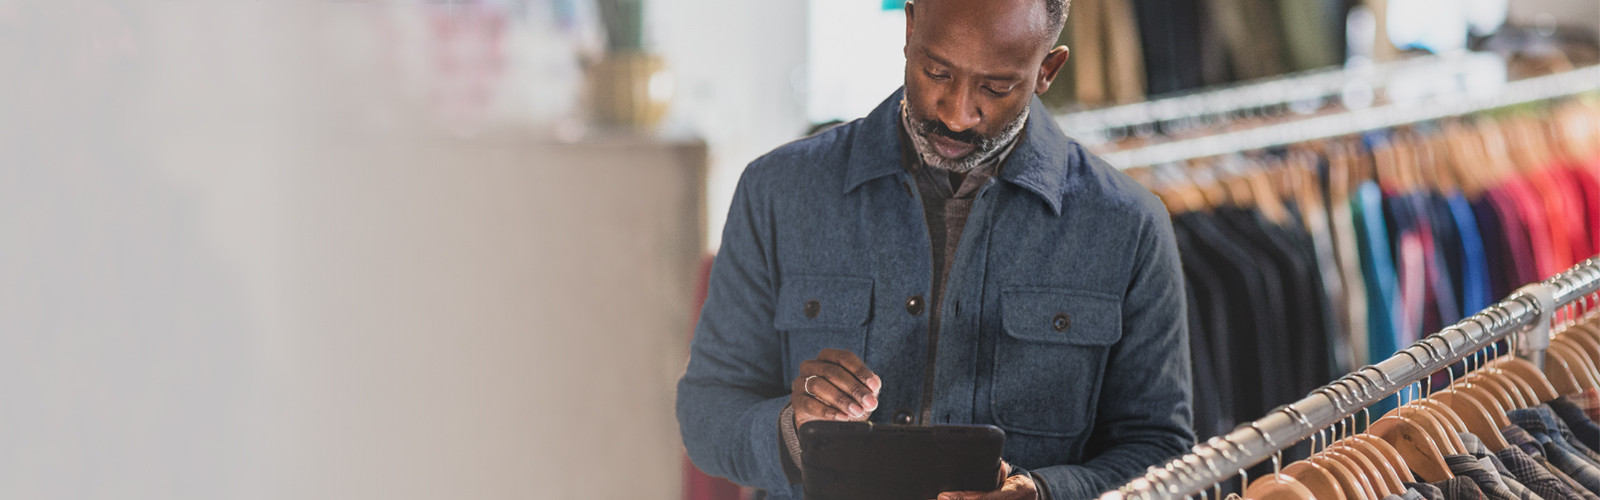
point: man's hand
(1014, 488)
(835, 386)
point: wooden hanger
(1523, 390)
(1390, 455)
(1494, 388)
(1419, 451)
(1380, 463)
(1447, 439)
(1484, 397)
(1585, 344)
(1529, 374)
(1267, 200)
(1366, 472)
(1446, 415)
(1464, 159)
(1475, 417)
(1315, 477)
(1348, 484)
(1579, 361)
(1205, 180)
(1560, 372)
(1277, 487)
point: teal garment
(1377, 267)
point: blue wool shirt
(1062, 320)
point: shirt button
(902, 417)
(812, 308)
(1062, 322)
(914, 305)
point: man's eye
(997, 93)
(937, 76)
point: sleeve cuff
(790, 444)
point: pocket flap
(1061, 316)
(822, 302)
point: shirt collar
(1043, 162)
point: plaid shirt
(1535, 476)
(1525, 442)
(1459, 488)
(1556, 450)
(1493, 465)
(1488, 482)
(1589, 401)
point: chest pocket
(1049, 364)
(822, 312)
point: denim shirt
(1063, 320)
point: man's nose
(958, 113)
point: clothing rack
(1356, 121)
(1459, 72)
(1524, 318)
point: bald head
(973, 66)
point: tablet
(859, 460)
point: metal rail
(1353, 122)
(1527, 312)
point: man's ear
(1053, 62)
(910, 14)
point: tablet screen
(859, 460)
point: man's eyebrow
(942, 61)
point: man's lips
(949, 148)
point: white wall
(740, 69)
(238, 263)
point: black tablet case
(859, 460)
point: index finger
(852, 364)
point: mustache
(931, 127)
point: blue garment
(1063, 321)
(1475, 290)
(1377, 267)
(1543, 426)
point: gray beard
(985, 150)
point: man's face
(972, 68)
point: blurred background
(455, 249)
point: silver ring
(807, 386)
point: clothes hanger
(1385, 473)
(1582, 369)
(1524, 391)
(1179, 188)
(1315, 477)
(1419, 451)
(1475, 417)
(1460, 145)
(1365, 471)
(1390, 455)
(1275, 486)
(1348, 484)
(1496, 388)
(1258, 175)
(1559, 370)
(1205, 180)
(1527, 373)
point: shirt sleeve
(1144, 416)
(732, 393)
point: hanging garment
(1377, 269)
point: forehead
(997, 35)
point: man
(952, 258)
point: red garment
(1523, 269)
(1548, 193)
(1588, 182)
(1572, 198)
(1537, 223)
